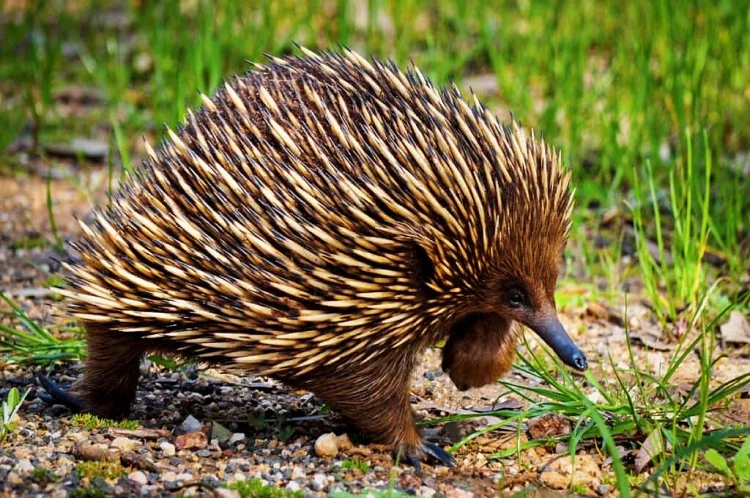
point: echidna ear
(424, 269)
(421, 257)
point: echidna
(321, 220)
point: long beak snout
(552, 332)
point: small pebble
(138, 477)
(23, 467)
(297, 473)
(191, 424)
(225, 493)
(326, 445)
(319, 482)
(191, 441)
(343, 442)
(236, 437)
(433, 374)
(86, 450)
(458, 493)
(602, 489)
(168, 476)
(167, 449)
(219, 432)
(427, 492)
(292, 486)
(124, 444)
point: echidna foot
(415, 455)
(438, 454)
(56, 395)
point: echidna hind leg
(380, 405)
(111, 372)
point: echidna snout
(553, 333)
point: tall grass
(629, 406)
(675, 276)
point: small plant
(34, 241)
(675, 277)
(171, 364)
(43, 476)
(10, 408)
(254, 488)
(90, 491)
(373, 493)
(357, 464)
(257, 422)
(35, 344)
(579, 489)
(325, 409)
(54, 280)
(640, 409)
(102, 468)
(89, 421)
(739, 472)
(286, 433)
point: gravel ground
(198, 430)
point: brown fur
(322, 220)
(112, 372)
(479, 351)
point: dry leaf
(548, 426)
(653, 446)
(736, 330)
(600, 311)
(652, 342)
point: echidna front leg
(111, 373)
(378, 403)
(110, 377)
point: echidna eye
(516, 298)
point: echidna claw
(413, 460)
(56, 395)
(434, 451)
(439, 454)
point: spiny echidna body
(321, 220)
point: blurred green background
(647, 100)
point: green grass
(10, 407)
(103, 468)
(90, 491)
(254, 488)
(357, 464)
(739, 471)
(634, 406)
(30, 242)
(89, 421)
(34, 344)
(647, 101)
(43, 476)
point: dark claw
(413, 460)
(434, 451)
(55, 395)
(439, 454)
